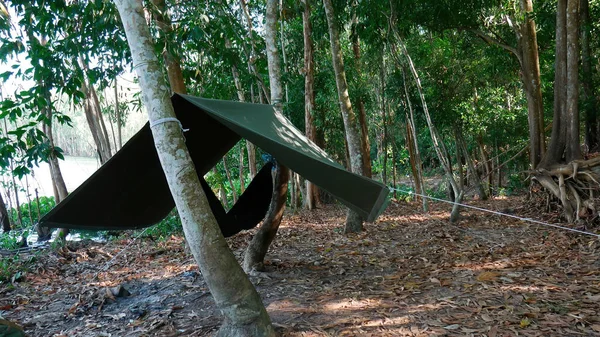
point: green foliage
(171, 225)
(13, 268)
(30, 211)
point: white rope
(168, 120)
(498, 213)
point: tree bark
(590, 107)
(230, 180)
(244, 312)
(118, 114)
(312, 191)
(253, 56)
(354, 223)
(257, 250)
(475, 177)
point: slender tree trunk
(244, 312)
(590, 107)
(362, 113)
(418, 161)
(118, 114)
(384, 145)
(312, 191)
(222, 192)
(95, 103)
(258, 247)
(532, 82)
(438, 144)
(93, 119)
(241, 169)
(354, 222)
(58, 182)
(474, 176)
(489, 172)
(253, 55)
(249, 146)
(14, 184)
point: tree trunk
(532, 83)
(354, 223)
(241, 169)
(418, 161)
(489, 173)
(89, 108)
(256, 251)
(438, 144)
(4, 218)
(14, 183)
(58, 182)
(174, 72)
(244, 312)
(118, 114)
(590, 107)
(249, 146)
(475, 177)
(252, 58)
(312, 191)
(362, 113)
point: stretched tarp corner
(130, 190)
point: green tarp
(130, 190)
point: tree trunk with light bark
(589, 103)
(354, 222)
(312, 191)
(236, 298)
(258, 247)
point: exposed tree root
(575, 185)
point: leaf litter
(409, 274)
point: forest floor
(408, 274)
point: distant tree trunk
(222, 192)
(93, 116)
(438, 144)
(118, 114)
(384, 145)
(241, 169)
(362, 113)
(590, 106)
(244, 312)
(4, 218)
(312, 191)
(174, 72)
(257, 250)
(14, 183)
(459, 163)
(354, 222)
(253, 55)
(249, 146)
(420, 188)
(474, 176)
(58, 182)
(532, 83)
(489, 172)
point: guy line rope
(537, 222)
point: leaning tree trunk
(244, 312)
(312, 191)
(418, 160)
(256, 251)
(354, 222)
(438, 144)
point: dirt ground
(408, 274)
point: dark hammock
(251, 207)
